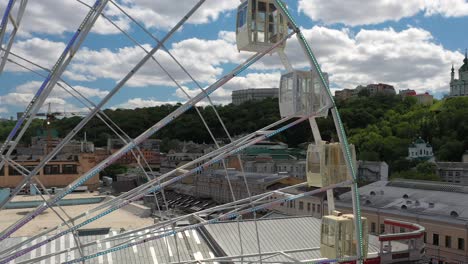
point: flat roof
(430, 200)
(48, 219)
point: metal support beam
(15, 22)
(338, 124)
(47, 86)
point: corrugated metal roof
(276, 234)
(186, 246)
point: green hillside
(381, 127)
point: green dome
(420, 141)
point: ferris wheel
(263, 27)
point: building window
(313, 208)
(318, 208)
(382, 228)
(425, 237)
(435, 239)
(402, 230)
(69, 169)
(2, 171)
(308, 207)
(51, 169)
(12, 171)
(461, 244)
(448, 242)
(301, 205)
(372, 228)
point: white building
(253, 94)
(419, 149)
(459, 87)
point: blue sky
(409, 44)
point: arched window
(404, 207)
(453, 214)
(405, 196)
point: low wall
(133, 208)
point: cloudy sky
(410, 44)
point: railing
(408, 246)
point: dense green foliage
(381, 127)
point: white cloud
(32, 86)
(59, 17)
(356, 12)
(203, 59)
(141, 103)
(223, 94)
(23, 99)
(164, 14)
(3, 110)
(407, 59)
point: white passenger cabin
(259, 26)
(302, 93)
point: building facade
(59, 172)
(453, 172)
(459, 87)
(253, 94)
(371, 171)
(150, 148)
(439, 207)
(215, 185)
(75, 158)
(372, 90)
(424, 98)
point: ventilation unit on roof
(404, 207)
(372, 193)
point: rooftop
(250, 176)
(48, 219)
(431, 200)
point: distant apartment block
(371, 89)
(215, 185)
(149, 148)
(372, 171)
(453, 172)
(75, 159)
(424, 98)
(253, 94)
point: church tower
(459, 87)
